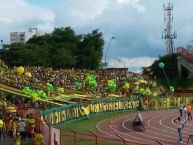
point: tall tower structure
(168, 35)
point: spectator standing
(3, 131)
(18, 139)
(180, 126)
(22, 129)
(189, 112)
(38, 139)
(184, 114)
(181, 108)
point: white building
(23, 37)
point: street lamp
(108, 50)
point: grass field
(89, 125)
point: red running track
(159, 127)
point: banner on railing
(70, 113)
(172, 102)
(66, 114)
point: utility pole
(168, 35)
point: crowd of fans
(67, 78)
(17, 123)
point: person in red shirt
(189, 111)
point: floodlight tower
(168, 35)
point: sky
(136, 24)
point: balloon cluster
(34, 95)
(49, 87)
(91, 81)
(111, 85)
(41, 94)
(78, 85)
(26, 90)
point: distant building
(23, 37)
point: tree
(89, 54)
(62, 48)
(170, 67)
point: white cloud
(18, 15)
(133, 64)
(134, 3)
(85, 12)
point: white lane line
(138, 138)
(158, 128)
(105, 132)
(134, 132)
(123, 125)
(186, 124)
(171, 128)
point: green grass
(90, 123)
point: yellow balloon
(35, 99)
(155, 94)
(20, 70)
(126, 86)
(28, 74)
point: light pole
(108, 50)
(1, 43)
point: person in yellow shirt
(18, 139)
(15, 126)
(38, 139)
(2, 129)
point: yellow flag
(86, 110)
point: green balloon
(172, 89)
(33, 95)
(161, 65)
(111, 85)
(148, 91)
(49, 87)
(92, 84)
(41, 94)
(141, 90)
(89, 78)
(154, 94)
(154, 84)
(26, 90)
(136, 89)
(78, 85)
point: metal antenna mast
(168, 35)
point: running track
(158, 127)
